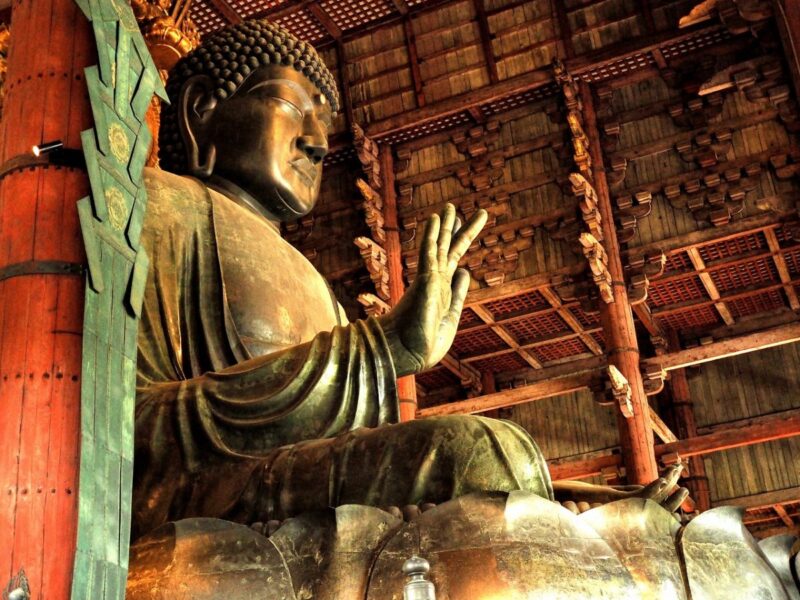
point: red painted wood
(41, 316)
(636, 434)
(406, 386)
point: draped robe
(256, 400)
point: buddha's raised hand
(421, 328)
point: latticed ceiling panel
(586, 319)
(475, 342)
(559, 350)
(428, 128)
(503, 363)
(695, 43)
(348, 14)
(678, 263)
(436, 379)
(792, 258)
(517, 305)
(676, 291)
(755, 304)
(537, 327)
(468, 319)
(744, 275)
(695, 318)
(250, 8)
(733, 247)
(304, 25)
(207, 18)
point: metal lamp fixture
(47, 147)
(417, 586)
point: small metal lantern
(418, 587)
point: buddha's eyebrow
(293, 85)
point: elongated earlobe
(196, 107)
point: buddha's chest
(276, 297)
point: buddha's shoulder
(172, 198)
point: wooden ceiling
(698, 129)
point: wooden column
(787, 16)
(685, 428)
(42, 296)
(406, 386)
(636, 434)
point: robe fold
(256, 401)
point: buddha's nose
(315, 149)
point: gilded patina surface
(513, 546)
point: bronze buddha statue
(257, 402)
(256, 399)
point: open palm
(421, 328)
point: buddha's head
(251, 106)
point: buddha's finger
(427, 250)
(463, 240)
(459, 289)
(445, 234)
(673, 503)
(583, 507)
(571, 506)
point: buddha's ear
(196, 107)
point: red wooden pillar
(406, 386)
(41, 295)
(636, 435)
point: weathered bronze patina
(257, 401)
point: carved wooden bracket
(373, 210)
(570, 290)
(641, 270)
(739, 16)
(620, 391)
(367, 151)
(572, 100)
(654, 377)
(632, 208)
(486, 160)
(373, 306)
(374, 257)
(762, 78)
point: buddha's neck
(235, 193)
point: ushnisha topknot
(228, 56)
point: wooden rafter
(782, 268)
(765, 429)
(504, 335)
(709, 285)
(486, 41)
(227, 11)
(325, 20)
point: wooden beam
(784, 334)
(485, 316)
(682, 407)
(781, 512)
(406, 386)
(708, 283)
(782, 268)
(516, 287)
(510, 397)
(401, 6)
(622, 346)
(413, 61)
(486, 41)
(347, 98)
(227, 11)
(566, 315)
(767, 429)
(325, 19)
(762, 500)
(660, 428)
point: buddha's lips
(306, 170)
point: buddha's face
(269, 139)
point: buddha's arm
(579, 496)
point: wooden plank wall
(742, 387)
(569, 425)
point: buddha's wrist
(405, 361)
